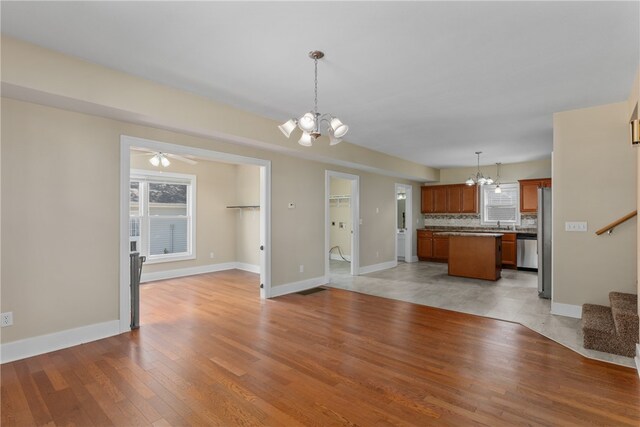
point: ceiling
(431, 82)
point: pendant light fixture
(479, 179)
(498, 190)
(159, 159)
(310, 122)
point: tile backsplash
(466, 220)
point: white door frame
(126, 142)
(408, 235)
(355, 220)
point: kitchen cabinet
(529, 193)
(425, 245)
(427, 199)
(440, 199)
(441, 248)
(456, 198)
(469, 195)
(509, 250)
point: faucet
(498, 224)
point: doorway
(341, 224)
(404, 223)
(264, 166)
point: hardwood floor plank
(210, 352)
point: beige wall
(248, 220)
(215, 224)
(510, 172)
(60, 215)
(594, 172)
(33, 73)
(340, 212)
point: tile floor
(513, 298)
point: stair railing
(609, 228)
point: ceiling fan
(160, 158)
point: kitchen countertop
(479, 230)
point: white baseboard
(567, 310)
(377, 267)
(28, 347)
(637, 358)
(190, 271)
(251, 268)
(289, 288)
(337, 257)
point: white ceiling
(430, 82)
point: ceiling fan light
(307, 123)
(155, 160)
(306, 139)
(470, 181)
(482, 181)
(489, 181)
(288, 127)
(339, 128)
(164, 161)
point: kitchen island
(475, 255)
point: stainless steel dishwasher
(527, 251)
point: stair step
(624, 309)
(624, 303)
(599, 332)
(598, 319)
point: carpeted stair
(612, 329)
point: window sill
(156, 259)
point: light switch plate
(575, 226)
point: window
(501, 207)
(161, 215)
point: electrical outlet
(6, 319)
(575, 226)
(211, 255)
(377, 210)
(301, 268)
(377, 254)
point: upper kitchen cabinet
(529, 193)
(457, 198)
(469, 196)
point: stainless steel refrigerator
(544, 242)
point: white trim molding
(289, 288)
(637, 358)
(378, 267)
(567, 310)
(34, 346)
(251, 268)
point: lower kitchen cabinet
(509, 250)
(441, 248)
(425, 245)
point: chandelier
(498, 190)
(479, 179)
(310, 122)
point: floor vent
(311, 291)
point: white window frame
(145, 224)
(485, 188)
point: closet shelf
(244, 207)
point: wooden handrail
(615, 223)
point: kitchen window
(503, 208)
(161, 215)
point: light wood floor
(211, 353)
